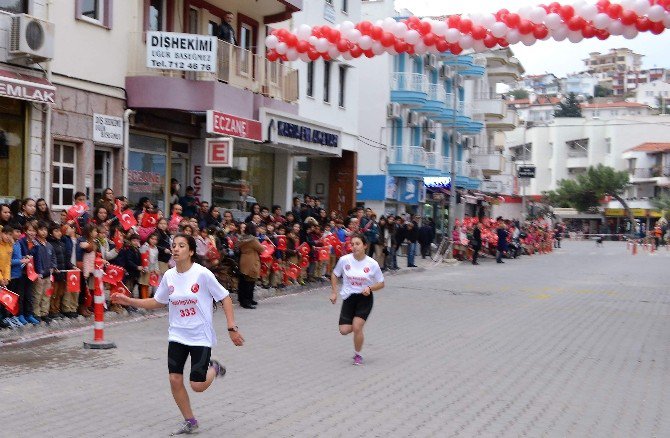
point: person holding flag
(189, 291)
(6, 249)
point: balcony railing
(437, 92)
(433, 160)
(650, 172)
(409, 82)
(237, 67)
(415, 155)
(465, 108)
(578, 153)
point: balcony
(478, 68)
(407, 161)
(462, 172)
(490, 164)
(433, 164)
(492, 107)
(241, 75)
(508, 123)
(436, 102)
(659, 175)
(409, 89)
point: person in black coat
(502, 240)
(63, 253)
(476, 242)
(411, 234)
(426, 237)
(164, 245)
(129, 259)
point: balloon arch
(479, 32)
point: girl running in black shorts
(189, 290)
(361, 275)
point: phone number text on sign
(181, 51)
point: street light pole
(452, 149)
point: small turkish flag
(73, 279)
(154, 279)
(99, 261)
(175, 220)
(264, 269)
(50, 289)
(347, 247)
(118, 239)
(338, 250)
(269, 250)
(114, 274)
(275, 267)
(10, 300)
(323, 253)
(118, 207)
(231, 244)
(281, 243)
(77, 210)
(149, 220)
(304, 262)
(121, 289)
(145, 259)
(30, 270)
(304, 249)
(212, 253)
(293, 272)
(127, 220)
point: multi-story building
(613, 109)
(581, 84)
(616, 60)
(545, 84)
(655, 94)
(648, 165)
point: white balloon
(322, 45)
(656, 13)
(601, 21)
(589, 12)
(628, 4)
(391, 50)
(553, 21)
(478, 46)
(477, 18)
(525, 12)
(537, 15)
(528, 39)
(271, 41)
(281, 48)
(347, 25)
(630, 32)
(440, 28)
(575, 36)
(346, 55)
(420, 48)
(399, 30)
(616, 28)
(452, 36)
(312, 40)
(412, 37)
(388, 24)
(292, 54)
(488, 20)
(354, 35)
(365, 42)
(304, 31)
(666, 21)
(560, 33)
(513, 36)
(333, 52)
(304, 57)
(378, 23)
(377, 48)
(641, 7)
(466, 41)
(499, 29)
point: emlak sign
(232, 126)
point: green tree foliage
(519, 94)
(569, 107)
(589, 188)
(601, 91)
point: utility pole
(452, 148)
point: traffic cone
(634, 248)
(99, 342)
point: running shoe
(11, 323)
(358, 360)
(218, 367)
(22, 319)
(31, 319)
(18, 321)
(185, 428)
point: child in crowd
(150, 248)
(44, 261)
(63, 264)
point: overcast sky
(550, 56)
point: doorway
(179, 165)
(102, 173)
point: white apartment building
(611, 110)
(581, 84)
(650, 93)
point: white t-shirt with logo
(189, 298)
(357, 275)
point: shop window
(12, 127)
(95, 11)
(343, 86)
(14, 6)
(147, 167)
(310, 79)
(63, 176)
(157, 15)
(326, 81)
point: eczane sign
(233, 126)
(181, 51)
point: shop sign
(219, 152)
(309, 135)
(181, 51)
(408, 191)
(637, 212)
(24, 87)
(371, 187)
(433, 182)
(391, 187)
(144, 182)
(491, 186)
(196, 182)
(107, 129)
(526, 172)
(233, 126)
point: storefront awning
(24, 87)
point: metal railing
(409, 82)
(236, 66)
(578, 153)
(649, 172)
(433, 160)
(437, 92)
(407, 155)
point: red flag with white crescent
(304, 249)
(145, 259)
(127, 219)
(77, 210)
(281, 243)
(114, 274)
(154, 279)
(73, 279)
(118, 207)
(293, 272)
(149, 220)
(30, 270)
(304, 262)
(118, 239)
(324, 253)
(10, 300)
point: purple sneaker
(218, 367)
(358, 360)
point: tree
(662, 203)
(601, 91)
(663, 104)
(589, 188)
(569, 107)
(519, 94)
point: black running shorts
(357, 305)
(177, 355)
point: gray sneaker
(185, 428)
(218, 366)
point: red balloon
(430, 39)
(554, 7)
(377, 32)
(628, 17)
(501, 14)
(369, 53)
(657, 28)
(313, 54)
(424, 28)
(567, 12)
(272, 56)
(502, 42)
(465, 26)
(413, 20)
(589, 31)
(643, 24)
(490, 41)
(456, 49)
(335, 36)
(665, 4)
(291, 40)
(356, 52)
(387, 39)
(478, 32)
(540, 31)
(454, 21)
(576, 23)
(614, 10)
(442, 45)
(302, 46)
(525, 27)
(602, 34)
(316, 31)
(400, 46)
(603, 5)
(325, 31)
(512, 20)
(343, 46)
(365, 27)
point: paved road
(568, 344)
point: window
(157, 15)
(212, 28)
(62, 173)
(343, 85)
(345, 6)
(310, 79)
(14, 6)
(326, 81)
(608, 145)
(95, 11)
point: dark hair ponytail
(192, 246)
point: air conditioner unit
(393, 110)
(429, 144)
(31, 38)
(413, 119)
(446, 71)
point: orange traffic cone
(634, 248)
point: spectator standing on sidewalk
(411, 234)
(250, 266)
(502, 240)
(426, 237)
(476, 242)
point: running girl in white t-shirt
(189, 290)
(361, 276)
